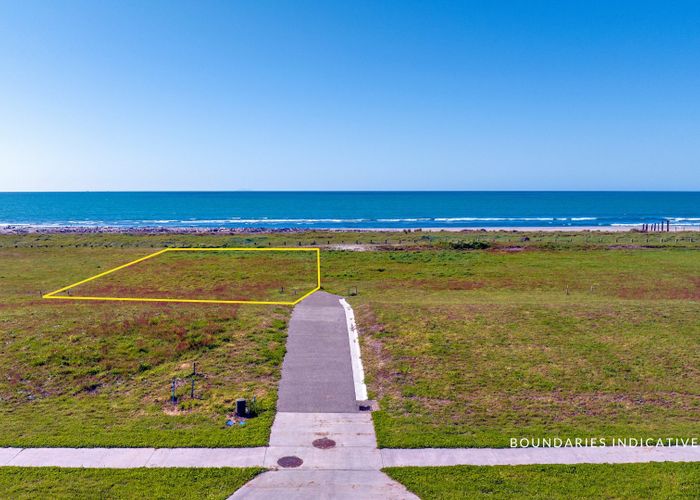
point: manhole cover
(290, 462)
(324, 443)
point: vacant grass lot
(650, 480)
(53, 482)
(471, 348)
(99, 373)
(246, 275)
(569, 335)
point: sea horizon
(354, 191)
(349, 209)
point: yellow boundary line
(52, 295)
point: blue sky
(294, 95)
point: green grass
(544, 334)
(54, 482)
(271, 276)
(99, 373)
(369, 239)
(648, 480)
(473, 348)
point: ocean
(353, 210)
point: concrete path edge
(388, 457)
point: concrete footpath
(337, 457)
(120, 458)
(363, 458)
(317, 369)
(529, 456)
(321, 445)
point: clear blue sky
(294, 95)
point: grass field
(99, 373)
(650, 480)
(578, 335)
(52, 482)
(232, 275)
(369, 239)
(471, 348)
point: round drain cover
(324, 443)
(290, 462)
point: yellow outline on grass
(52, 295)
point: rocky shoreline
(21, 229)
(26, 229)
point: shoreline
(25, 229)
